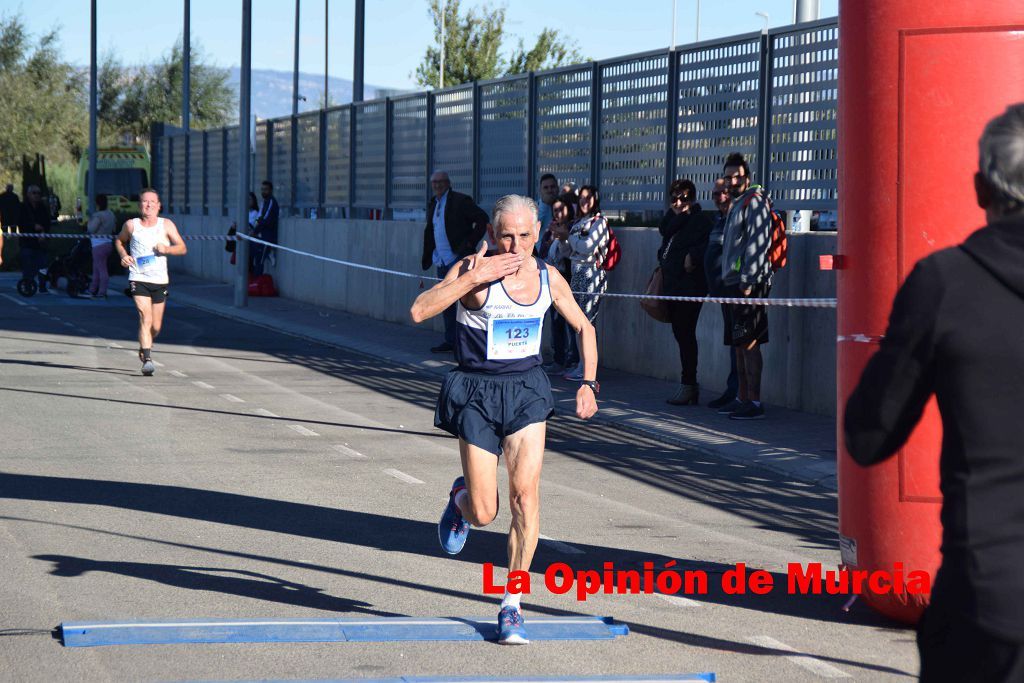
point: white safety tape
(860, 338)
(789, 303)
(83, 235)
(809, 303)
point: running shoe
(511, 629)
(722, 401)
(453, 530)
(148, 368)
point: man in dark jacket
(265, 229)
(955, 331)
(455, 225)
(35, 220)
(10, 207)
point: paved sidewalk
(800, 445)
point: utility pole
(806, 10)
(186, 70)
(440, 73)
(295, 69)
(357, 62)
(326, 48)
(90, 186)
(244, 158)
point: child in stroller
(75, 267)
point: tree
(43, 101)
(131, 100)
(473, 42)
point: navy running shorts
(483, 409)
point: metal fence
(628, 125)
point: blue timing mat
(87, 634)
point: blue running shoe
(511, 630)
(453, 530)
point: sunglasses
(682, 198)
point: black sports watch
(594, 385)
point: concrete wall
(799, 360)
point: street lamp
(763, 15)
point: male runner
(144, 245)
(498, 399)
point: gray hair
(513, 203)
(1001, 159)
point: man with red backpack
(747, 267)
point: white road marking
(115, 345)
(265, 413)
(159, 364)
(345, 450)
(17, 301)
(232, 398)
(402, 476)
(178, 373)
(202, 385)
(678, 600)
(302, 430)
(815, 666)
(560, 546)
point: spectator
(565, 352)
(747, 273)
(101, 227)
(455, 225)
(254, 211)
(34, 220)
(713, 269)
(684, 239)
(53, 201)
(586, 246)
(955, 332)
(264, 229)
(548, 194)
(10, 207)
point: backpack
(778, 250)
(613, 254)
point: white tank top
(148, 267)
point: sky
(397, 31)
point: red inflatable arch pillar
(918, 81)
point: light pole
(696, 37)
(440, 73)
(763, 15)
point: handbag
(656, 308)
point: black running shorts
(158, 293)
(483, 409)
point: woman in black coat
(684, 239)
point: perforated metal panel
(163, 165)
(338, 153)
(281, 162)
(261, 165)
(452, 137)
(371, 130)
(503, 142)
(563, 142)
(231, 171)
(718, 110)
(409, 152)
(195, 170)
(177, 198)
(802, 171)
(215, 172)
(307, 179)
(634, 127)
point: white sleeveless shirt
(148, 267)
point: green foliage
(131, 100)
(63, 182)
(43, 100)
(473, 42)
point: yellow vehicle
(121, 172)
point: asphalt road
(259, 475)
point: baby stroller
(75, 267)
